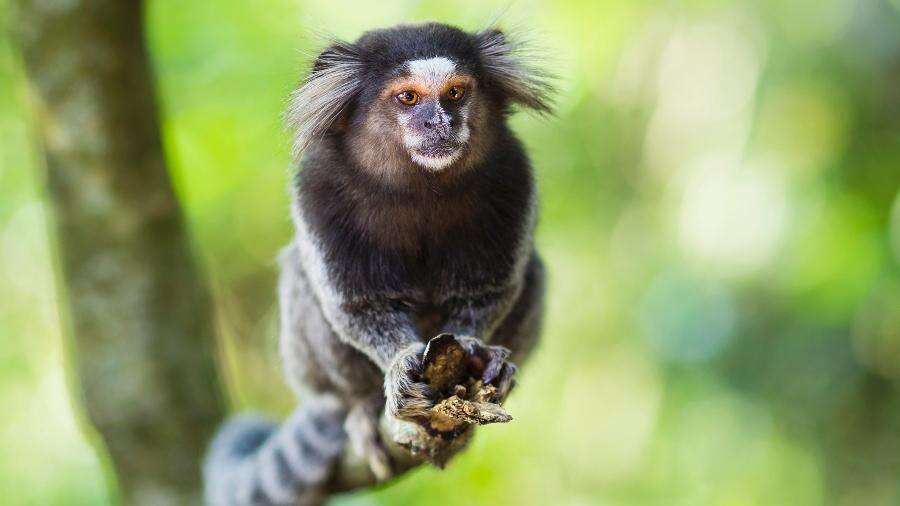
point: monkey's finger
(413, 402)
(497, 351)
(497, 356)
(471, 345)
(506, 380)
(492, 370)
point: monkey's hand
(437, 395)
(407, 396)
(491, 362)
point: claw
(506, 381)
(492, 370)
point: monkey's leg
(521, 328)
(362, 428)
(316, 359)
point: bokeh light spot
(686, 320)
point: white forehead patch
(434, 71)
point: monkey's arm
(383, 328)
(371, 323)
(375, 326)
(494, 314)
(478, 312)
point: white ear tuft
(513, 66)
(333, 82)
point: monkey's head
(426, 97)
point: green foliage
(720, 218)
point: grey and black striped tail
(254, 461)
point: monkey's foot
(362, 428)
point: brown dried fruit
(466, 401)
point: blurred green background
(720, 196)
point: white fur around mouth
(434, 162)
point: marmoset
(414, 206)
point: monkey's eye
(408, 97)
(455, 93)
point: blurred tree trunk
(138, 307)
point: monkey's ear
(335, 79)
(513, 67)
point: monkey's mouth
(438, 149)
(435, 158)
(436, 154)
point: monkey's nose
(440, 128)
(437, 123)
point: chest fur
(421, 244)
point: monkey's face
(414, 98)
(421, 114)
(430, 104)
